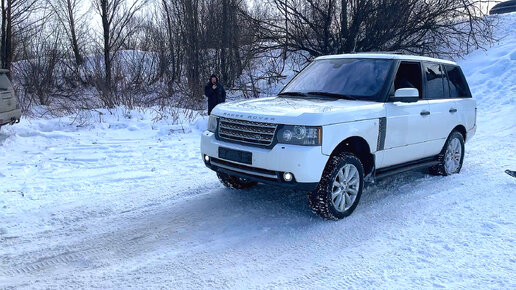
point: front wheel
(340, 188)
(451, 157)
(234, 182)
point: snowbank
(491, 76)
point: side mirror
(406, 95)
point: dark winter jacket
(215, 96)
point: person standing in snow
(215, 93)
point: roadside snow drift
(121, 199)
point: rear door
(459, 91)
(8, 101)
(443, 108)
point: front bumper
(306, 163)
(10, 117)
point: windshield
(347, 78)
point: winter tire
(451, 157)
(340, 188)
(234, 182)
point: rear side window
(435, 81)
(457, 82)
(5, 83)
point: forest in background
(71, 55)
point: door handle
(453, 110)
(425, 113)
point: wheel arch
(360, 148)
(461, 129)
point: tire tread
(439, 168)
(319, 200)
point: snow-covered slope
(491, 76)
(127, 202)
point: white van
(10, 111)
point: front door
(407, 124)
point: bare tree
(38, 71)
(168, 15)
(16, 19)
(432, 27)
(190, 33)
(116, 15)
(67, 14)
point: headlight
(300, 135)
(212, 124)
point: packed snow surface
(122, 199)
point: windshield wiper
(293, 94)
(333, 95)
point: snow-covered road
(184, 230)
(128, 203)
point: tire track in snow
(108, 246)
(94, 251)
(127, 245)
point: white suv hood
(297, 111)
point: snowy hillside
(125, 201)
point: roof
(504, 7)
(386, 56)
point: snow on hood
(288, 110)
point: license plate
(236, 155)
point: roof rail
(382, 52)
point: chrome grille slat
(258, 137)
(250, 132)
(248, 137)
(250, 123)
(270, 131)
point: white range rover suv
(343, 120)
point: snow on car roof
(385, 56)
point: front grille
(255, 133)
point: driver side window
(408, 76)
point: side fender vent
(382, 130)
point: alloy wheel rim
(345, 187)
(453, 156)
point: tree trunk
(4, 34)
(285, 47)
(171, 48)
(171, 67)
(237, 62)
(192, 48)
(107, 57)
(224, 42)
(75, 47)
(7, 26)
(343, 24)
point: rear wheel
(340, 188)
(235, 182)
(451, 157)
